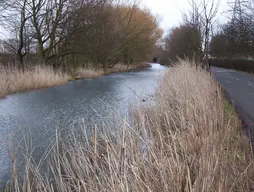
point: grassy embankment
(13, 80)
(189, 140)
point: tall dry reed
(85, 73)
(188, 139)
(13, 80)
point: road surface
(239, 87)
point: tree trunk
(20, 59)
(207, 32)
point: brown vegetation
(192, 38)
(82, 38)
(70, 34)
(13, 80)
(190, 139)
(85, 73)
(182, 42)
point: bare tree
(23, 36)
(183, 42)
(102, 32)
(202, 16)
(114, 33)
(236, 37)
(49, 19)
(16, 20)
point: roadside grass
(188, 139)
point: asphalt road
(239, 87)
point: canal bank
(40, 112)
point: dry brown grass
(121, 68)
(189, 139)
(87, 73)
(13, 80)
(83, 73)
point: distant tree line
(235, 39)
(192, 38)
(68, 34)
(199, 38)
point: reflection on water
(40, 112)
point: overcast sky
(170, 11)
